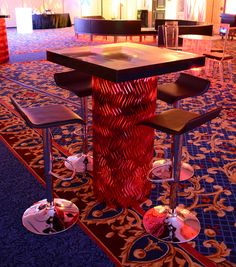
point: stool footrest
(162, 169)
(176, 227)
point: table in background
(197, 43)
(50, 21)
(4, 53)
(124, 93)
(232, 33)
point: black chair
(172, 223)
(81, 85)
(50, 215)
(185, 86)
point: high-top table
(198, 43)
(4, 53)
(124, 93)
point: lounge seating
(100, 26)
(104, 27)
(97, 25)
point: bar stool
(81, 85)
(216, 58)
(185, 86)
(173, 223)
(50, 215)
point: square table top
(121, 62)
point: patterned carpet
(210, 193)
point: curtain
(195, 10)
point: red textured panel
(4, 54)
(122, 150)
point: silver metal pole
(85, 126)
(178, 142)
(47, 155)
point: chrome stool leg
(171, 223)
(50, 215)
(82, 162)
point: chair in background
(216, 59)
(81, 85)
(50, 215)
(170, 34)
(185, 86)
(173, 223)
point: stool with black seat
(173, 223)
(81, 85)
(185, 86)
(50, 215)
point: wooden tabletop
(124, 61)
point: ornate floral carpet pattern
(19, 247)
(210, 193)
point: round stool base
(180, 227)
(43, 219)
(78, 162)
(162, 171)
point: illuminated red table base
(4, 54)
(122, 150)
